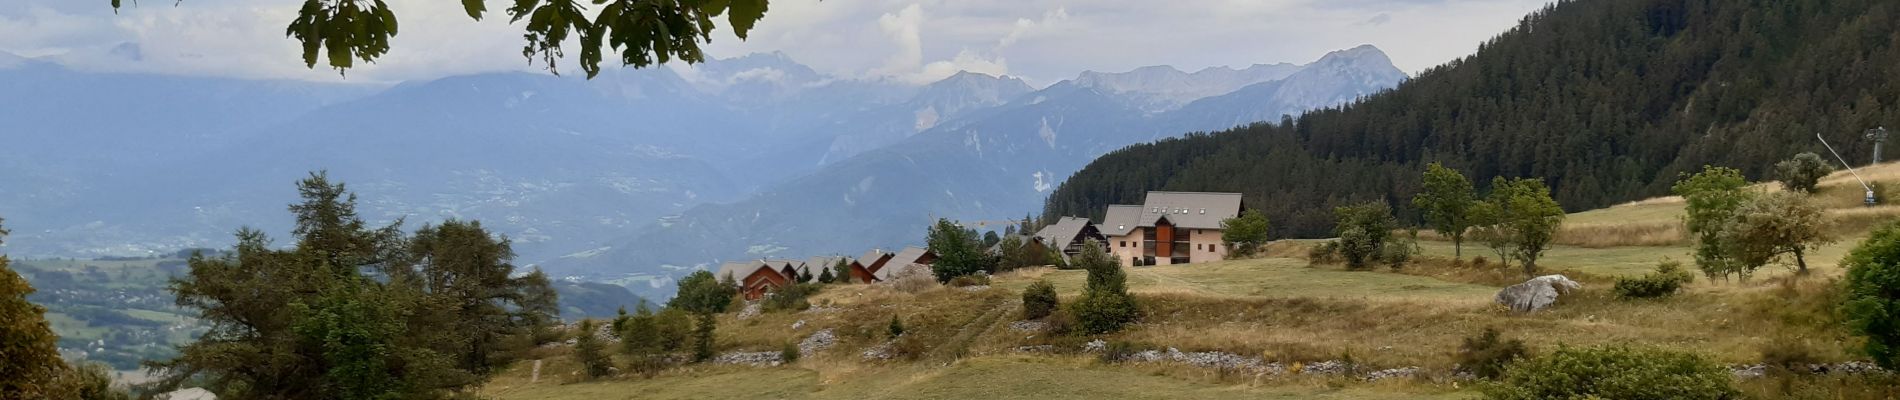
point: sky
(1042, 41)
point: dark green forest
(1606, 100)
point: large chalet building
(1169, 228)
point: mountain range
(633, 177)
(987, 166)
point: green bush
(1324, 253)
(976, 279)
(1614, 373)
(788, 354)
(1105, 305)
(896, 328)
(1398, 252)
(1118, 351)
(1039, 300)
(1667, 280)
(1872, 289)
(791, 298)
(1487, 354)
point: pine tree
(1105, 305)
(826, 276)
(590, 352)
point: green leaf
(745, 14)
(388, 17)
(475, 8)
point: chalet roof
(818, 265)
(1121, 220)
(903, 259)
(740, 270)
(1192, 210)
(1063, 232)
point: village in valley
(1192, 224)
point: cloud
(906, 29)
(1380, 19)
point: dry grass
(1670, 233)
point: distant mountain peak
(1364, 54)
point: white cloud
(914, 40)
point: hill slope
(1606, 100)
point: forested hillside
(1607, 100)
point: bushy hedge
(1667, 280)
(1614, 373)
(1487, 354)
(791, 298)
(1039, 300)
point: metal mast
(1879, 136)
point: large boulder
(1537, 293)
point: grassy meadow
(1282, 308)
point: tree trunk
(1457, 247)
(1801, 262)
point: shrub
(1480, 262)
(913, 279)
(791, 298)
(896, 328)
(1487, 354)
(788, 354)
(1872, 291)
(976, 279)
(590, 352)
(1118, 351)
(1667, 280)
(1786, 354)
(1059, 323)
(1324, 253)
(1398, 252)
(1803, 172)
(1039, 300)
(1363, 231)
(1105, 305)
(1614, 373)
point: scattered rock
(977, 288)
(1406, 372)
(817, 342)
(1036, 349)
(1748, 371)
(751, 310)
(1095, 345)
(882, 351)
(1537, 293)
(760, 359)
(799, 324)
(1028, 326)
(1328, 367)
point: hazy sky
(1041, 40)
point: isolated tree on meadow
(589, 350)
(29, 351)
(640, 33)
(1803, 172)
(959, 251)
(1871, 291)
(1773, 225)
(1363, 231)
(1522, 216)
(1446, 202)
(352, 311)
(1713, 196)
(704, 297)
(1245, 233)
(1105, 305)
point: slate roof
(1191, 210)
(740, 270)
(910, 255)
(818, 265)
(1121, 220)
